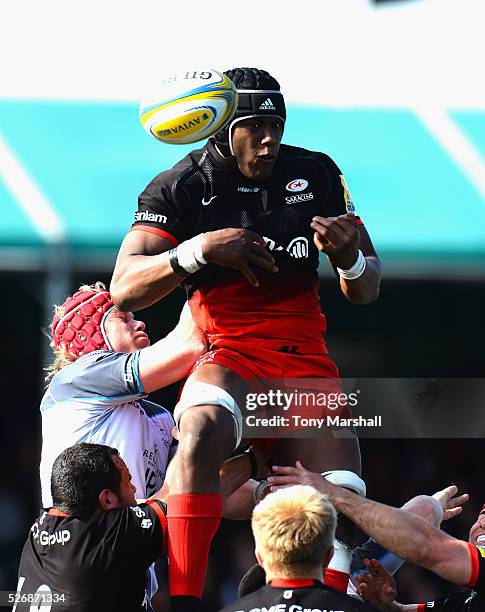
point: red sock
(193, 519)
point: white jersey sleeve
(98, 399)
(102, 377)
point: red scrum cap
(78, 324)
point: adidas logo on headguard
(267, 105)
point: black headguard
(259, 94)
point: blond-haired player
(294, 531)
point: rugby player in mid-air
(241, 222)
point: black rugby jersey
(470, 601)
(298, 595)
(206, 192)
(92, 564)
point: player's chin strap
(102, 326)
(337, 574)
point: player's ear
(108, 500)
(328, 556)
(259, 558)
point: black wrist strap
(176, 267)
(254, 462)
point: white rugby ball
(189, 106)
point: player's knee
(208, 414)
(205, 425)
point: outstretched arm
(404, 534)
(436, 508)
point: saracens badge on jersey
(297, 185)
(349, 204)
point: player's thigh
(209, 406)
(319, 454)
(220, 376)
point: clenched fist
(337, 237)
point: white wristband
(189, 254)
(259, 491)
(356, 270)
(199, 256)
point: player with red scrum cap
(104, 368)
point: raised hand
(338, 238)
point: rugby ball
(189, 106)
